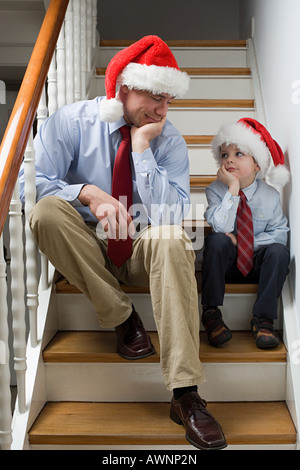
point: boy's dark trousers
(271, 266)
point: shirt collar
(114, 126)
(250, 190)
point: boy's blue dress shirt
(269, 222)
(74, 147)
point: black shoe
(133, 342)
(263, 332)
(217, 332)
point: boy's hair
(253, 138)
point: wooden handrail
(17, 132)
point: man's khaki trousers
(160, 260)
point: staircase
(97, 400)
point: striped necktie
(245, 237)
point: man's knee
(47, 215)
(170, 239)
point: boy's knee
(218, 241)
(278, 252)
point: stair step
(206, 82)
(178, 43)
(203, 71)
(196, 103)
(145, 424)
(100, 347)
(64, 287)
(198, 139)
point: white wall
(277, 43)
(169, 19)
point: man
(82, 174)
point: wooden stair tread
(202, 181)
(81, 423)
(211, 103)
(178, 43)
(64, 287)
(203, 71)
(198, 139)
(100, 347)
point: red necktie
(120, 251)
(245, 238)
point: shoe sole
(135, 358)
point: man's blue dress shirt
(74, 147)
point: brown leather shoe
(133, 342)
(202, 430)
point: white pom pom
(111, 110)
(278, 175)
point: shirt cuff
(230, 202)
(71, 192)
(144, 162)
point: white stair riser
(201, 160)
(75, 312)
(205, 121)
(192, 57)
(198, 205)
(220, 88)
(143, 382)
(202, 88)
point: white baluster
(89, 34)
(61, 69)
(5, 395)
(83, 49)
(69, 53)
(52, 86)
(42, 111)
(18, 293)
(94, 23)
(77, 55)
(31, 248)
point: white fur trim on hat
(155, 79)
(247, 141)
(111, 110)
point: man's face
(143, 107)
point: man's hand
(229, 179)
(113, 216)
(142, 136)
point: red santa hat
(148, 64)
(253, 138)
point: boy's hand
(229, 179)
(233, 238)
(142, 136)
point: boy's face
(242, 165)
(142, 107)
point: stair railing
(65, 52)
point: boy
(251, 250)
